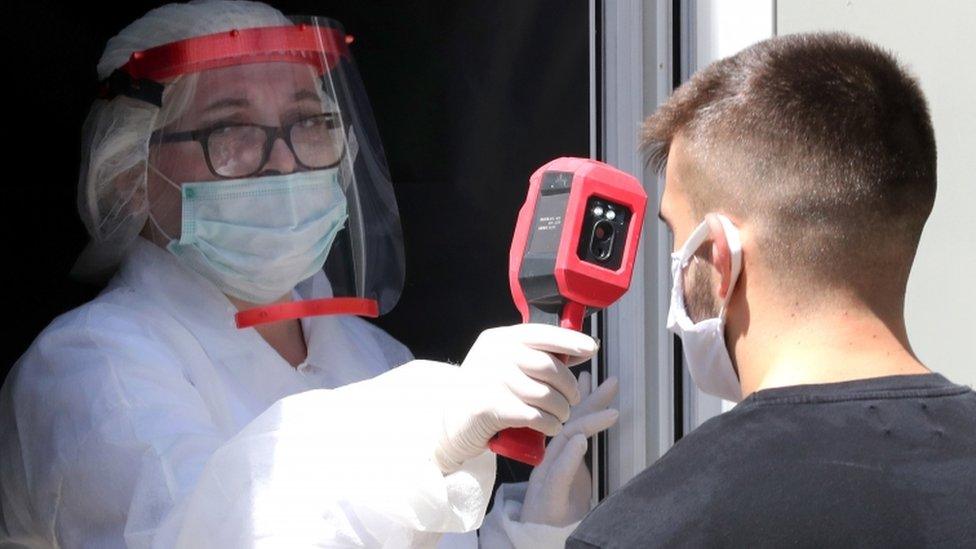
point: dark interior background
(469, 97)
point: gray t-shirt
(884, 462)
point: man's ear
(721, 255)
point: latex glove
(510, 378)
(560, 488)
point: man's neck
(828, 346)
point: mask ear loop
(691, 245)
(735, 251)
(698, 237)
(175, 99)
(152, 219)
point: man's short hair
(822, 141)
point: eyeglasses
(242, 150)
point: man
(799, 174)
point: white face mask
(705, 352)
(256, 238)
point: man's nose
(281, 160)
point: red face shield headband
(141, 77)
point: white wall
(636, 73)
(936, 40)
(720, 28)
(724, 27)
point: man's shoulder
(728, 444)
(669, 500)
(859, 465)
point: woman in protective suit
(221, 391)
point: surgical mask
(703, 342)
(256, 238)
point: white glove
(510, 379)
(560, 488)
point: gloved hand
(510, 378)
(560, 488)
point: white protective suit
(146, 418)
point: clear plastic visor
(268, 115)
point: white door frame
(637, 53)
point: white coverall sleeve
(336, 468)
(109, 443)
(503, 530)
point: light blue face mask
(256, 238)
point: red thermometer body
(573, 253)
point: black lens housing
(601, 242)
(604, 233)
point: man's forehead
(670, 182)
(677, 165)
(664, 206)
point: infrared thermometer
(572, 254)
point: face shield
(266, 167)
